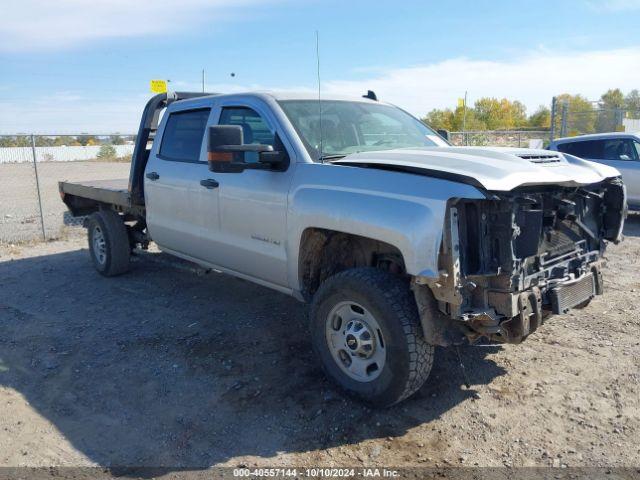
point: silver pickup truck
(398, 241)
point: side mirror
(443, 133)
(226, 150)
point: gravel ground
(175, 367)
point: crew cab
(398, 241)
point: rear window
(183, 135)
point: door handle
(152, 176)
(209, 183)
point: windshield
(350, 127)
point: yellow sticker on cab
(158, 86)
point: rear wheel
(108, 243)
(366, 331)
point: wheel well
(324, 253)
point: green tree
(468, 122)
(610, 115)
(6, 142)
(44, 141)
(116, 140)
(541, 118)
(500, 114)
(85, 139)
(107, 152)
(581, 117)
(453, 120)
(438, 119)
(612, 98)
(22, 141)
(632, 104)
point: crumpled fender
(403, 210)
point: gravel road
(171, 366)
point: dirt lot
(169, 366)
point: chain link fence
(577, 116)
(501, 138)
(31, 167)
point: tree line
(62, 140)
(580, 114)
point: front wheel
(366, 331)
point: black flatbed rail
(123, 195)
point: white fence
(58, 154)
(631, 124)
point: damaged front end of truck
(508, 262)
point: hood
(492, 168)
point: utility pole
(552, 126)
(35, 167)
(464, 118)
(563, 119)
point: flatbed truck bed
(81, 196)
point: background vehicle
(619, 150)
(399, 241)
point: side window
(619, 149)
(183, 135)
(255, 130)
(588, 149)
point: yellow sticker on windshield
(158, 86)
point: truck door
(181, 195)
(253, 203)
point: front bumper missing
(529, 309)
(563, 297)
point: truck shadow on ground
(632, 225)
(168, 369)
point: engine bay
(508, 262)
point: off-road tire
(390, 300)
(117, 250)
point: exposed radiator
(568, 295)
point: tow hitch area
(509, 262)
